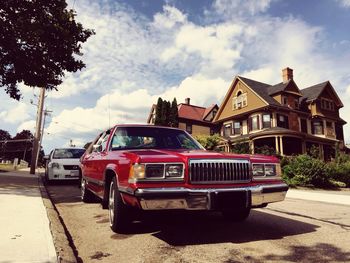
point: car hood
(184, 155)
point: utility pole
(37, 134)
(46, 113)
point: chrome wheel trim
(111, 203)
(82, 188)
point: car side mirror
(97, 148)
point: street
(293, 230)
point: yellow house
(282, 116)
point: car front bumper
(207, 199)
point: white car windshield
(68, 153)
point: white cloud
(16, 114)
(27, 125)
(232, 8)
(169, 18)
(344, 3)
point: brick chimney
(287, 74)
(187, 101)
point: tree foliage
(166, 113)
(4, 135)
(208, 142)
(39, 41)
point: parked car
(63, 164)
(140, 167)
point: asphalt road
(289, 231)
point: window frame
(264, 122)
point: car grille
(71, 167)
(219, 171)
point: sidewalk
(25, 234)
(334, 197)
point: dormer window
(327, 104)
(240, 101)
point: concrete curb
(64, 250)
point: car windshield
(152, 138)
(68, 153)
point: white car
(63, 164)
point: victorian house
(196, 120)
(282, 116)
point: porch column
(277, 145)
(321, 151)
(252, 146)
(303, 147)
(281, 145)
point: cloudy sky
(144, 49)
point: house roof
(209, 109)
(262, 89)
(312, 92)
(277, 88)
(193, 112)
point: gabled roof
(313, 92)
(209, 109)
(193, 112)
(261, 89)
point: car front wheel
(119, 213)
(86, 195)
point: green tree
(159, 106)
(4, 135)
(39, 41)
(174, 114)
(164, 113)
(208, 142)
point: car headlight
(258, 169)
(266, 170)
(55, 165)
(173, 170)
(156, 171)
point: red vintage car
(142, 167)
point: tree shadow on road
(319, 253)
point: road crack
(343, 226)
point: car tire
(119, 213)
(236, 215)
(86, 195)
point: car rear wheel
(86, 195)
(236, 215)
(119, 214)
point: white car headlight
(174, 170)
(55, 165)
(266, 170)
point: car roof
(145, 126)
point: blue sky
(144, 49)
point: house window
(317, 127)
(240, 101)
(189, 128)
(303, 125)
(254, 123)
(236, 128)
(330, 130)
(296, 104)
(266, 120)
(285, 101)
(282, 121)
(227, 130)
(327, 105)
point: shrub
(208, 142)
(265, 150)
(340, 172)
(241, 148)
(304, 170)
